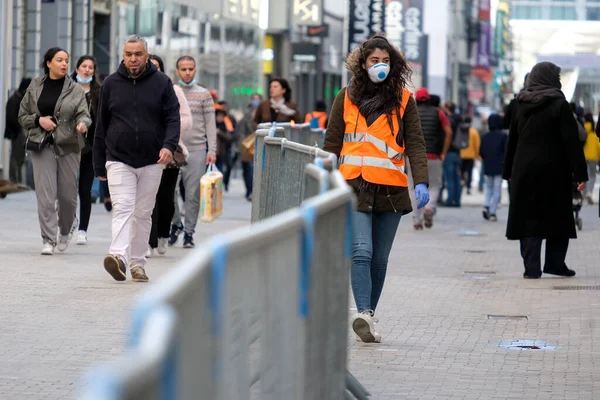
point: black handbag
(37, 144)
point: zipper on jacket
(390, 198)
(137, 137)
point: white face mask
(183, 83)
(378, 72)
(83, 80)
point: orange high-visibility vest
(321, 115)
(372, 151)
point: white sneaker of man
(364, 327)
(162, 245)
(47, 249)
(81, 238)
(149, 252)
(63, 242)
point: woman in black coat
(543, 160)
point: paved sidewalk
(442, 326)
(59, 315)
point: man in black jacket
(137, 131)
(14, 132)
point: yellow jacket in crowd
(472, 151)
(592, 144)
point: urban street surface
(454, 311)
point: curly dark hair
(389, 92)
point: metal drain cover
(576, 287)
(476, 251)
(469, 233)
(480, 273)
(527, 345)
(508, 317)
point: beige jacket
(73, 111)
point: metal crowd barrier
(279, 166)
(299, 133)
(260, 313)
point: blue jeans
(374, 235)
(481, 179)
(493, 192)
(452, 164)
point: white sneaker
(63, 242)
(47, 249)
(162, 245)
(81, 238)
(149, 252)
(364, 327)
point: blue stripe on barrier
(262, 167)
(219, 271)
(169, 374)
(217, 287)
(102, 384)
(349, 228)
(255, 147)
(143, 308)
(308, 248)
(325, 187)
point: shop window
(593, 14)
(563, 13)
(131, 20)
(527, 12)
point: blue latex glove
(422, 195)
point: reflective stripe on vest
(372, 150)
(380, 144)
(370, 162)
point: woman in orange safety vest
(373, 125)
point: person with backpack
(452, 163)
(318, 118)
(374, 124)
(437, 132)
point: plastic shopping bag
(211, 195)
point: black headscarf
(542, 83)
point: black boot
(565, 271)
